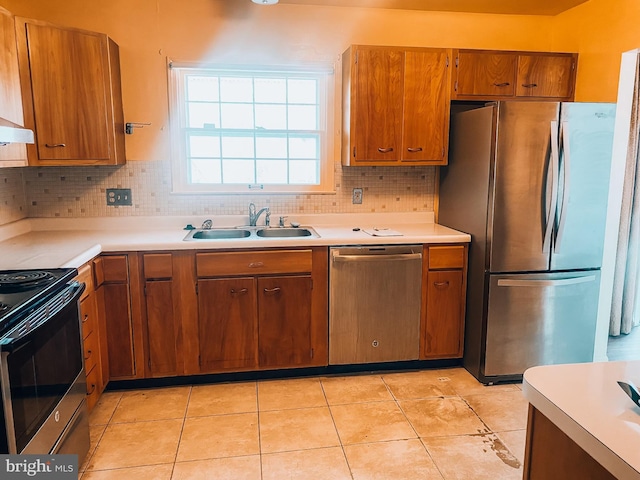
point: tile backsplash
(81, 192)
(13, 203)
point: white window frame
(178, 127)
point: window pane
(204, 114)
(201, 146)
(237, 147)
(303, 91)
(237, 115)
(271, 117)
(236, 89)
(304, 172)
(272, 171)
(303, 117)
(271, 147)
(203, 89)
(270, 90)
(303, 147)
(205, 171)
(238, 171)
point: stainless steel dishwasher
(374, 303)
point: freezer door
(586, 137)
(540, 319)
(522, 186)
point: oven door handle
(22, 333)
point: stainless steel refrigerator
(529, 181)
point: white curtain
(626, 284)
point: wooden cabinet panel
(443, 333)
(253, 263)
(91, 352)
(11, 155)
(112, 268)
(284, 325)
(426, 106)
(70, 97)
(120, 340)
(157, 265)
(227, 312)
(164, 332)
(546, 75)
(485, 74)
(377, 104)
(88, 315)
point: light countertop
(586, 403)
(51, 243)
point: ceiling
(516, 7)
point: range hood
(13, 133)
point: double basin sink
(246, 232)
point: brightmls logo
(51, 467)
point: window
(246, 130)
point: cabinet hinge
(356, 61)
(145, 290)
(447, 61)
(457, 61)
(199, 360)
(311, 353)
(573, 66)
(354, 152)
(196, 289)
(455, 85)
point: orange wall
(237, 31)
(600, 31)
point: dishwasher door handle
(376, 258)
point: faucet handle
(281, 221)
(207, 224)
(267, 217)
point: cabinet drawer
(93, 392)
(253, 263)
(88, 315)
(90, 345)
(157, 265)
(85, 275)
(111, 269)
(446, 257)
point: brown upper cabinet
(13, 154)
(500, 75)
(72, 95)
(395, 106)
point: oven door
(42, 374)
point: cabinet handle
(441, 284)
(385, 150)
(87, 357)
(93, 389)
(239, 292)
(85, 318)
(529, 85)
(503, 84)
(54, 145)
(256, 264)
(272, 290)
(419, 149)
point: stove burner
(24, 280)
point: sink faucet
(253, 215)
(207, 224)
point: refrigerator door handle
(545, 283)
(566, 166)
(552, 173)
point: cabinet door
(376, 110)
(115, 302)
(228, 324)
(485, 74)
(164, 332)
(444, 314)
(69, 91)
(426, 106)
(284, 321)
(11, 155)
(546, 75)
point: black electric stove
(23, 290)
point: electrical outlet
(357, 196)
(118, 196)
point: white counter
(50, 243)
(586, 403)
